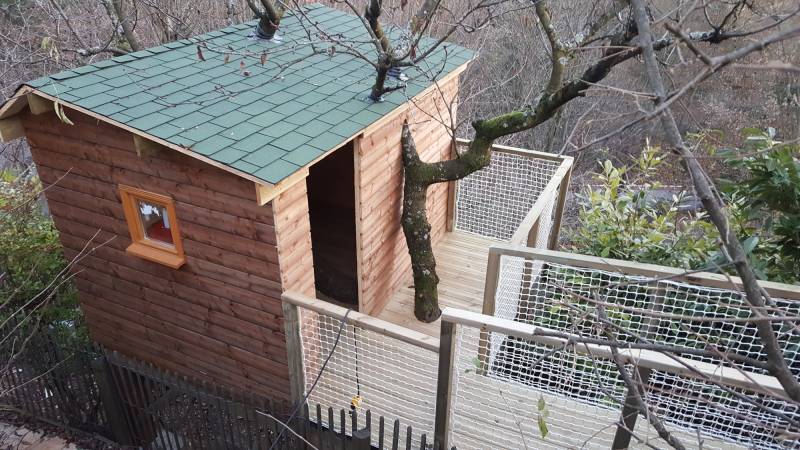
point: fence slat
(112, 403)
(145, 406)
(396, 435)
(381, 424)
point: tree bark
(269, 20)
(372, 13)
(125, 22)
(419, 176)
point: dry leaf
(227, 58)
(200, 54)
(263, 58)
(60, 113)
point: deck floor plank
(461, 265)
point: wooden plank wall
(383, 255)
(293, 232)
(219, 317)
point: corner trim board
(39, 105)
(266, 192)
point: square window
(153, 227)
(155, 222)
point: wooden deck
(461, 265)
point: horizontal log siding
(293, 230)
(217, 318)
(384, 259)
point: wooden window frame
(143, 247)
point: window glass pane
(155, 222)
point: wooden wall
(293, 229)
(217, 318)
(383, 255)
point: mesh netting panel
(697, 404)
(558, 297)
(497, 404)
(395, 379)
(493, 201)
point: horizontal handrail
(707, 279)
(518, 151)
(650, 359)
(362, 320)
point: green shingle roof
(266, 121)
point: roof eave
(19, 101)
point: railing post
(492, 279)
(630, 414)
(294, 352)
(452, 192)
(563, 191)
(533, 233)
(444, 383)
(489, 302)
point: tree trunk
(269, 20)
(125, 22)
(419, 176)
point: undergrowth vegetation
(627, 215)
(35, 283)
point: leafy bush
(621, 218)
(33, 276)
(769, 197)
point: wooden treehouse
(192, 192)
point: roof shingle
(266, 121)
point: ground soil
(19, 431)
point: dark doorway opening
(331, 205)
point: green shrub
(619, 219)
(771, 188)
(34, 279)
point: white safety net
(564, 298)
(493, 201)
(530, 395)
(391, 378)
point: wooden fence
(48, 373)
(519, 198)
(136, 404)
(166, 411)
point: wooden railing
(381, 366)
(537, 283)
(707, 279)
(476, 392)
(570, 419)
(548, 194)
